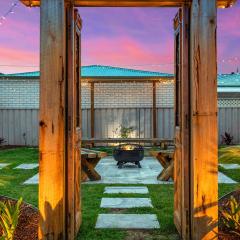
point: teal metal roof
(103, 71)
(230, 81)
(108, 71)
(23, 74)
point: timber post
(52, 148)
(204, 145)
(59, 179)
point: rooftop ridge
(126, 69)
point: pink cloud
(17, 57)
(126, 51)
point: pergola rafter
(131, 3)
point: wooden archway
(196, 187)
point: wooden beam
(92, 110)
(77, 67)
(204, 142)
(131, 3)
(185, 123)
(154, 110)
(52, 146)
(70, 123)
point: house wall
(24, 94)
(19, 93)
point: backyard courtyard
(15, 183)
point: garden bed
(28, 221)
(224, 233)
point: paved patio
(130, 173)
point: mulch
(224, 233)
(27, 228)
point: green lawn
(162, 195)
(230, 154)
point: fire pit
(125, 153)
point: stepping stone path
(32, 180)
(2, 165)
(140, 190)
(27, 166)
(222, 178)
(230, 166)
(127, 221)
(125, 202)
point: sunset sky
(128, 37)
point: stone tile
(132, 175)
(126, 202)
(230, 166)
(127, 221)
(139, 190)
(27, 166)
(32, 180)
(3, 165)
(222, 178)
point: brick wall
(24, 94)
(127, 95)
(19, 94)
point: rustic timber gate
(196, 167)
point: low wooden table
(89, 160)
(165, 158)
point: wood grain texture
(70, 123)
(88, 168)
(204, 159)
(131, 3)
(185, 123)
(182, 131)
(78, 118)
(52, 121)
(177, 171)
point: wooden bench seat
(89, 160)
(165, 158)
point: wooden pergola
(196, 160)
(113, 80)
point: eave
(131, 3)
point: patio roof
(100, 71)
(226, 81)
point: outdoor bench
(163, 143)
(89, 160)
(166, 159)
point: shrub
(123, 132)
(227, 138)
(9, 215)
(231, 216)
(2, 141)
